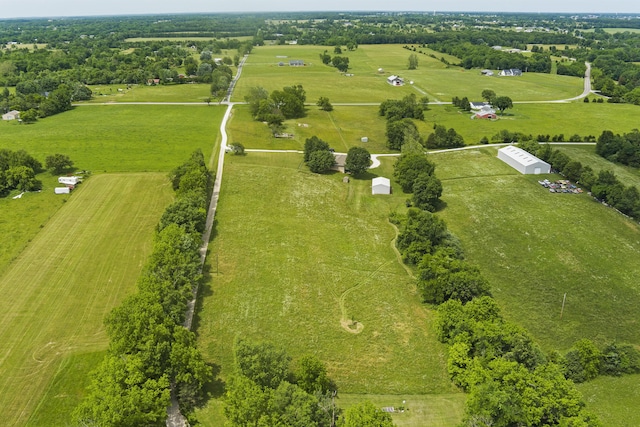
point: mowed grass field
(344, 127)
(82, 263)
(535, 246)
(120, 138)
(142, 93)
(614, 399)
(432, 78)
(297, 258)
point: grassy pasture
(614, 399)
(82, 263)
(533, 246)
(142, 93)
(432, 77)
(119, 138)
(534, 119)
(296, 265)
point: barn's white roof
(520, 155)
(381, 180)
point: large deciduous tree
(409, 166)
(366, 414)
(58, 163)
(358, 160)
(502, 103)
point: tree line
(150, 352)
(18, 170)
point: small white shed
(62, 190)
(380, 185)
(522, 161)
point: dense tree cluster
(276, 107)
(150, 351)
(444, 138)
(358, 160)
(400, 114)
(18, 171)
(318, 155)
(264, 392)
(623, 149)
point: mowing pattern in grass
(143, 93)
(534, 246)
(57, 292)
(119, 138)
(290, 244)
(614, 399)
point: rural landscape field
(307, 265)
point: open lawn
(614, 399)
(534, 246)
(540, 119)
(309, 265)
(55, 294)
(119, 138)
(432, 78)
(188, 92)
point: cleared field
(534, 246)
(309, 265)
(432, 78)
(56, 293)
(119, 138)
(189, 92)
(614, 399)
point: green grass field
(614, 399)
(432, 78)
(119, 138)
(56, 293)
(535, 246)
(298, 264)
(143, 93)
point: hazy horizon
(75, 8)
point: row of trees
(319, 157)
(339, 62)
(416, 174)
(150, 352)
(623, 149)
(400, 115)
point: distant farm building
(11, 115)
(511, 72)
(486, 72)
(380, 185)
(296, 63)
(478, 105)
(523, 161)
(364, 139)
(486, 113)
(395, 81)
(69, 180)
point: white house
(380, 185)
(523, 161)
(511, 72)
(395, 80)
(11, 115)
(69, 180)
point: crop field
(188, 92)
(309, 265)
(535, 246)
(82, 263)
(432, 78)
(119, 138)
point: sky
(54, 8)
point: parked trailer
(62, 190)
(69, 180)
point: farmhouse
(478, 105)
(11, 115)
(380, 185)
(522, 161)
(69, 180)
(395, 81)
(296, 63)
(511, 72)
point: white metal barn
(380, 185)
(523, 161)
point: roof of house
(478, 105)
